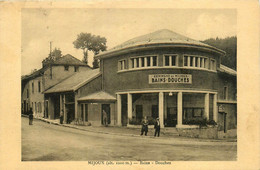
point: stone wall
(204, 132)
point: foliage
(88, 42)
(229, 45)
(95, 63)
(201, 122)
(53, 56)
(135, 121)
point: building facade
(51, 73)
(167, 75)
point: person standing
(144, 126)
(157, 127)
(104, 118)
(30, 116)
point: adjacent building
(52, 72)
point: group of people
(157, 127)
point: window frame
(170, 63)
(225, 93)
(66, 68)
(76, 68)
(142, 59)
(199, 58)
(214, 64)
(120, 65)
(39, 86)
(32, 87)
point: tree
(88, 42)
(229, 45)
(55, 54)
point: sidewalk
(170, 133)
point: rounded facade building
(166, 75)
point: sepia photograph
(133, 84)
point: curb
(120, 134)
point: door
(155, 111)
(171, 116)
(46, 109)
(139, 112)
(225, 122)
(106, 108)
(86, 112)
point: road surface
(48, 142)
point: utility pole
(50, 49)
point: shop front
(97, 108)
(174, 108)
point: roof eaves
(107, 54)
(227, 70)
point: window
(122, 65)
(199, 62)
(148, 61)
(32, 87)
(212, 64)
(76, 68)
(66, 68)
(167, 60)
(185, 61)
(154, 60)
(143, 62)
(170, 60)
(206, 63)
(225, 93)
(27, 93)
(39, 86)
(191, 61)
(35, 108)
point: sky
(61, 27)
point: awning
(98, 96)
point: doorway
(225, 122)
(139, 112)
(84, 112)
(106, 108)
(171, 117)
(46, 109)
(155, 111)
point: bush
(135, 122)
(201, 122)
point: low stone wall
(204, 132)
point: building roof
(37, 73)
(65, 60)
(101, 95)
(75, 81)
(164, 36)
(69, 60)
(227, 70)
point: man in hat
(157, 127)
(144, 126)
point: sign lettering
(170, 78)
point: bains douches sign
(170, 78)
